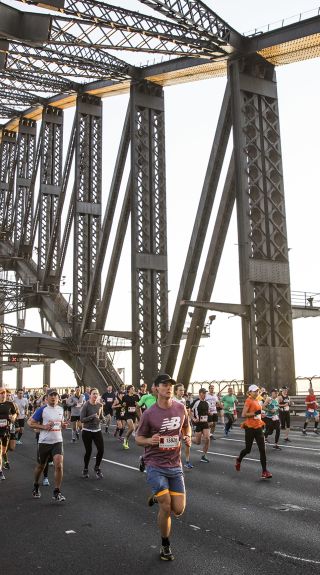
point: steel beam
(7, 159)
(263, 250)
(199, 232)
(50, 187)
(87, 204)
(148, 231)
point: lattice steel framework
(56, 60)
(263, 252)
(87, 204)
(149, 237)
(50, 187)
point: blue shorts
(166, 480)
(314, 413)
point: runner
(229, 403)
(271, 417)
(179, 396)
(214, 403)
(200, 415)
(22, 405)
(161, 430)
(49, 420)
(130, 399)
(120, 410)
(8, 414)
(108, 398)
(90, 417)
(75, 402)
(253, 426)
(311, 411)
(284, 406)
(64, 398)
(146, 401)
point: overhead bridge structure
(58, 54)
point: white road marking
(194, 527)
(297, 558)
(69, 532)
(281, 445)
(121, 464)
(225, 455)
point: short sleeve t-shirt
(311, 402)
(45, 414)
(229, 403)
(168, 424)
(7, 408)
(22, 405)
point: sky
(191, 115)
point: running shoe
(287, 439)
(50, 463)
(19, 442)
(107, 429)
(188, 465)
(152, 500)
(166, 553)
(77, 435)
(36, 493)
(316, 431)
(98, 473)
(141, 464)
(213, 437)
(275, 446)
(125, 445)
(304, 431)
(58, 497)
(226, 432)
(266, 474)
(238, 464)
(85, 474)
(204, 459)
(73, 440)
(2, 477)
(6, 464)
(266, 440)
(45, 482)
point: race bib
(311, 410)
(131, 409)
(109, 399)
(286, 408)
(169, 442)
(275, 418)
(56, 426)
(257, 416)
(79, 404)
(203, 418)
(3, 422)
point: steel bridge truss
(53, 197)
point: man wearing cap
(49, 420)
(162, 427)
(253, 426)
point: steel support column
(25, 167)
(263, 251)
(87, 203)
(149, 231)
(50, 187)
(7, 158)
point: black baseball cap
(163, 378)
(274, 389)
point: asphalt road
(235, 523)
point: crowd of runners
(165, 421)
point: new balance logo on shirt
(170, 424)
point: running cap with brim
(284, 387)
(163, 378)
(253, 388)
(274, 389)
(202, 390)
(52, 391)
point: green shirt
(147, 400)
(229, 402)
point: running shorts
(166, 480)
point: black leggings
(96, 437)
(250, 436)
(271, 426)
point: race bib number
(79, 404)
(169, 442)
(56, 426)
(311, 410)
(3, 422)
(131, 409)
(258, 416)
(275, 418)
(109, 399)
(203, 418)
(286, 408)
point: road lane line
(280, 445)
(225, 455)
(297, 558)
(121, 464)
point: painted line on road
(226, 455)
(297, 558)
(280, 445)
(121, 464)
